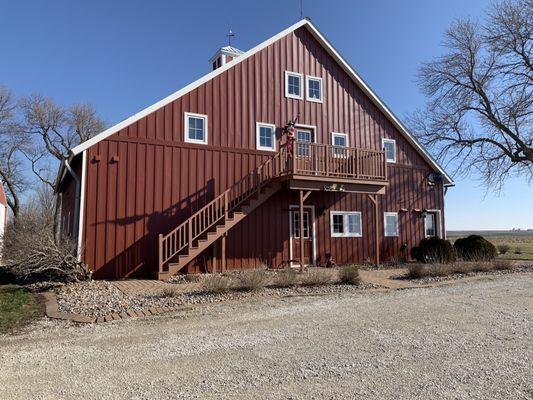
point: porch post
(374, 199)
(301, 220)
(214, 258)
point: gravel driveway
(467, 341)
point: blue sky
(125, 55)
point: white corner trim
(293, 96)
(383, 141)
(329, 48)
(258, 125)
(312, 99)
(82, 204)
(391, 214)
(186, 137)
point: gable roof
(448, 181)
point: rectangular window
(390, 149)
(195, 128)
(346, 224)
(339, 140)
(296, 224)
(432, 224)
(303, 137)
(266, 136)
(314, 89)
(391, 224)
(293, 85)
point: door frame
(312, 234)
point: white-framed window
(195, 128)
(345, 224)
(391, 224)
(339, 140)
(432, 220)
(314, 89)
(390, 149)
(293, 85)
(265, 136)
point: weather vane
(230, 35)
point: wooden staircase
(191, 238)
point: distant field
(521, 242)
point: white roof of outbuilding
(243, 56)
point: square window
(314, 89)
(346, 224)
(265, 136)
(293, 85)
(339, 140)
(195, 128)
(390, 149)
(391, 224)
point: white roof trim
(331, 50)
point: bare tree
(55, 131)
(11, 172)
(479, 114)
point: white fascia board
(381, 105)
(331, 50)
(134, 118)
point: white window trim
(345, 224)
(308, 98)
(258, 125)
(438, 221)
(383, 141)
(186, 125)
(293, 96)
(333, 135)
(388, 214)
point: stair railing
(219, 208)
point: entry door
(295, 236)
(303, 150)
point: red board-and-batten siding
(158, 180)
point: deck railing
(305, 159)
(324, 160)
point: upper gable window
(265, 136)
(314, 89)
(293, 85)
(390, 149)
(195, 128)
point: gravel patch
(467, 341)
(100, 298)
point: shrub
(217, 283)
(418, 271)
(502, 264)
(475, 248)
(433, 250)
(31, 252)
(504, 248)
(317, 277)
(349, 275)
(252, 280)
(518, 250)
(287, 277)
(168, 291)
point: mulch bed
(100, 298)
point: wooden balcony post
(301, 220)
(223, 255)
(190, 232)
(326, 160)
(374, 198)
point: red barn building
(215, 177)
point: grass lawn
(17, 307)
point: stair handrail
(217, 209)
